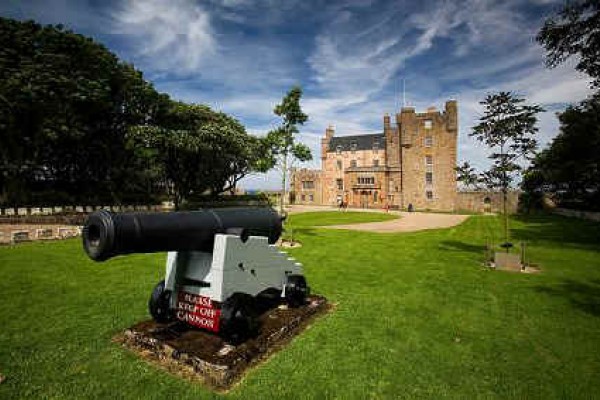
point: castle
(410, 165)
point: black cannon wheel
(296, 290)
(158, 305)
(239, 319)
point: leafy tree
(66, 105)
(199, 150)
(467, 175)
(281, 141)
(507, 128)
(575, 31)
(569, 169)
(68, 108)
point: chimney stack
(329, 132)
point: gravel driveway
(408, 222)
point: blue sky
(351, 57)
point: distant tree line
(77, 125)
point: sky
(355, 59)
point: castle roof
(359, 142)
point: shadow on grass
(462, 246)
(583, 296)
(299, 230)
(559, 230)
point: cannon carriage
(222, 265)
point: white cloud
(175, 35)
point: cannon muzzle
(108, 234)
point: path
(408, 222)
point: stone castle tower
(411, 163)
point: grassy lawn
(324, 218)
(416, 317)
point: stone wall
(486, 201)
(12, 234)
(69, 210)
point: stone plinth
(508, 261)
(203, 356)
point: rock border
(168, 346)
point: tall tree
(569, 169)
(66, 105)
(281, 141)
(575, 31)
(199, 150)
(507, 127)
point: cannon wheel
(296, 290)
(239, 319)
(159, 304)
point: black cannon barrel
(108, 234)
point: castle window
(428, 124)
(303, 197)
(338, 149)
(429, 195)
(428, 141)
(429, 160)
(308, 185)
(310, 197)
(376, 163)
(340, 184)
(375, 196)
(429, 178)
(339, 164)
(366, 180)
(353, 163)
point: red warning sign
(198, 311)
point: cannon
(222, 265)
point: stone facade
(410, 164)
(307, 187)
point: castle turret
(392, 142)
(386, 123)
(329, 132)
(451, 114)
(407, 125)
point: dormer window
(376, 144)
(353, 146)
(353, 163)
(428, 124)
(338, 149)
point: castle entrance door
(364, 199)
(487, 205)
